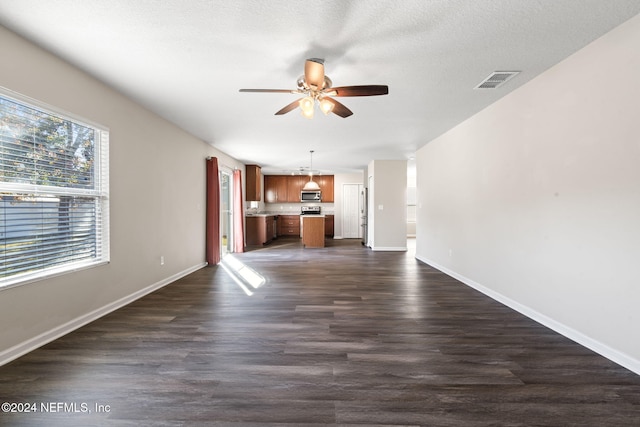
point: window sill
(49, 274)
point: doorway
(226, 213)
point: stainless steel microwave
(310, 196)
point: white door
(351, 211)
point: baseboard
(346, 238)
(604, 350)
(390, 248)
(31, 344)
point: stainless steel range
(310, 210)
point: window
(54, 212)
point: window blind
(53, 192)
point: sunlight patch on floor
(245, 277)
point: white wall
(157, 189)
(536, 199)
(388, 198)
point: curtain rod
(223, 165)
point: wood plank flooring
(335, 336)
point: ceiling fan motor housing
(302, 84)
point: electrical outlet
(162, 260)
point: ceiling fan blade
(314, 73)
(269, 90)
(339, 108)
(366, 90)
(295, 104)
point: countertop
(264, 214)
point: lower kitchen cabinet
(289, 225)
(260, 230)
(313, 231)
(328, 225)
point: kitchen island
(312, 231)
(263, 227)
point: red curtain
(213, 212)
(238, 213)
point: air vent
(497, 79)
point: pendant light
(311, 185)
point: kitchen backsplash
(291, 207)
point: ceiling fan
(317, 87)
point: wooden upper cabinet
(254, 183)
(270, 195)
(275, 189)
(281, 189)
(294, 186)
(286, 188)
(326, 186)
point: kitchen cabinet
(260, 229)
(289, 225)
(313, 231)
(272, 227)
(275, 189)
(328, 225)
(254, 183)
(294, 187)
(286, 188)
(326, 186)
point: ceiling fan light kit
(317, 88)
(306, 107)
(326, 106)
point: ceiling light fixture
(306, 107)
(326, 106)
(311, 185)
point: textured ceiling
(186, 60)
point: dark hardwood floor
(335, 336)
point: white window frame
(99, 192)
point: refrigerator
(364, 217)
